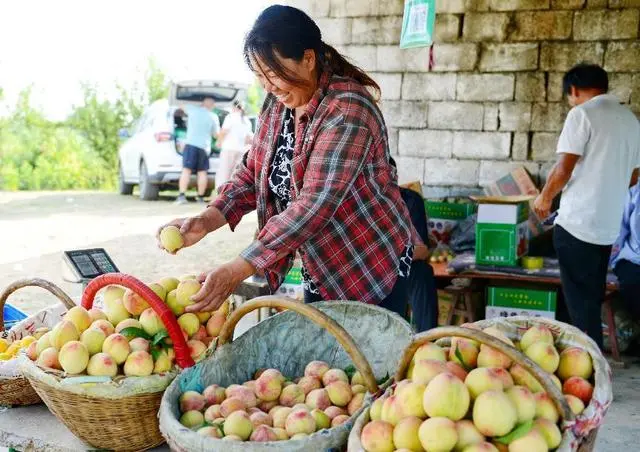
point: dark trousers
(396, 301)
(583, 273)
(628, 275)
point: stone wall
(493, 100)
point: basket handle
(450, 331)
(183, 357)
(313, 314)
(35, 282)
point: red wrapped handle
(183, 357)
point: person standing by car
(319, 174)
(598, 149)
(202, 125)
(234, 137)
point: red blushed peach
(578, 387)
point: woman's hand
(219, 284)
(192, 229)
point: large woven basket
(578, 434)
(288, 341)
(16, 391)
(110, 420)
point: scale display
(90, 263)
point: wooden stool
(463, 307)
(610, 318)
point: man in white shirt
(598, 149)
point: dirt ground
(36, 227)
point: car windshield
(198, 93)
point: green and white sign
(509, 301)
(418, 23)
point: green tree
(255, 98)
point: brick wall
(493, 100)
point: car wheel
(148, 191)
(123, 187)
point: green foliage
(255, 98)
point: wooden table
(441, 271)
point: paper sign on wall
(418, 23)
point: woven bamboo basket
(17, 391)
(340, 333)
(577, 436)
(104, 415)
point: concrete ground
(35, 227)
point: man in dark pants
(598, 149)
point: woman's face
(290, 95)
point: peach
(112, 292)
(300, 421)
(504, 376)
(355, 404)
(106, 327)
(185, 290)
(298, 436)
(490, 357)
(80, 318)
(49, 358)
(377, 436)
(169, 283)
(273, 409)
(62, 333)
(375, 412)
(191, 400)
(260, 418)
(93, 338)
(533, 441)
(138, 343)
(524, 401)
(446, 396)
(308, 384)
(280, 416)
(215, 323)
(287, 383)
(334, 375)
(549, 431)
(357, 378)
(211, 432)
(151, 322)
(96, 314)
(117, 346)
(203, 317)
(232, 438)
(127, 323)
(578, 387)
(301, 406)
(438, 434)
(483, 446)
(424, 370)
(266, 406)
(243, 393)
(316, 369)
(192, 419)
(281, 434)
(468, 435)
(494, 414)
(322, 420)
(39, 332)
(214, 395)
(171, 238)
(492, 331)
(263, 433)
(405, 434)
(189, 323)
(556, 381)
(197, 350)
(74, 357)
(536, 334)
(138, 364)
(291, 395)
(522, 377)
(159, 290)
(429, 351)
(134, 303)
(163, 363)
(457, 370)
(239, 424)
(545, 408)
(545, 355)
(115, 311)
(358, 389)
(468, 351)
(339, 420)
(43, 343)
(32, 351)
(319, 398)
(339, 393)
(201, 334)
(334, 411)
(391, 410)
(230, 405)
(482, 379)
(575, 362)
(576, 405)
(224, 308)
(172, 303)
(102, 364)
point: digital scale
(84, 265)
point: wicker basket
(113, 421)
(288, 341)
(578, 434)
(16, 391)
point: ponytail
(332, 60)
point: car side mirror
(123, 133)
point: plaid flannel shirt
(346, 219)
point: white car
(151, 156)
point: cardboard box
(519, 182)
(292, 285)
(442, 217)
(509, 301)
(415, 186)
(502, 230)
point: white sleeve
(216, 124)
(227, 123)
(575, 133)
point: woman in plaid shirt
(319, 174)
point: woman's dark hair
(585, 76)
(289, 32)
